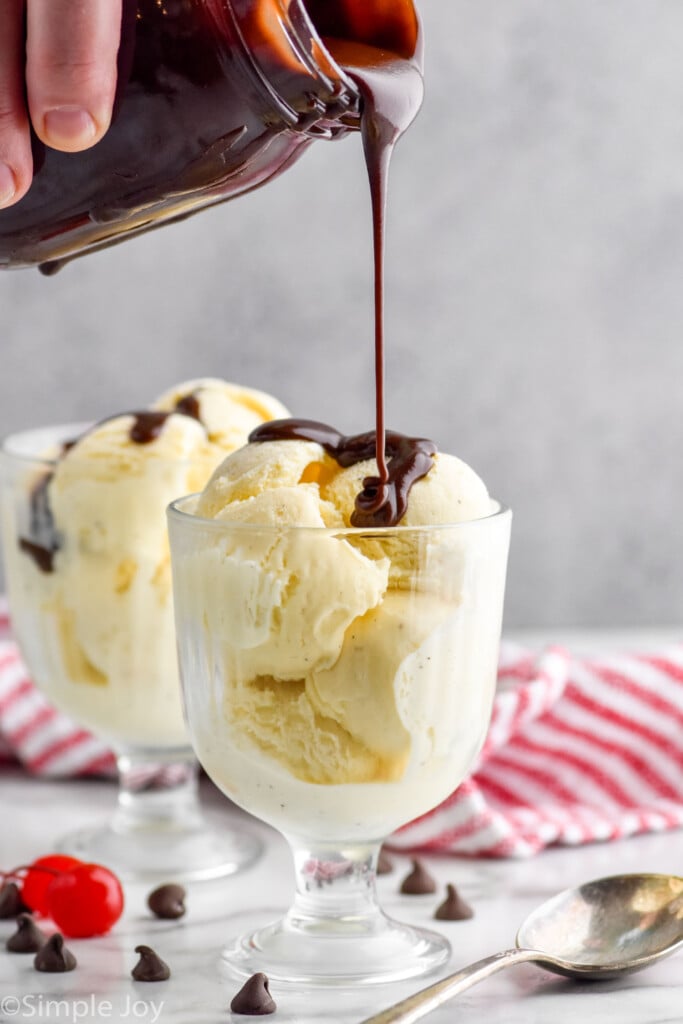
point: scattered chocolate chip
(54, 957)
(11, 903)
(418, 882)
(28, 937)
(254, 998)
(385, 864)
(150, 967)
(454, 907)
(168, 901)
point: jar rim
(312, 107)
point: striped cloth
(35, 733)
(578, 750)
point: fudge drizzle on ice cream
(382, 502)
(44, 542)
(148, 425)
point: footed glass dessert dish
(338, 683)
(87, 565)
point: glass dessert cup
(338, 684)
(91, 604)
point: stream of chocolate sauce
(391, 88)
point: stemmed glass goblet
(91, 605)
(338, 683)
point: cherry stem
(15, 872)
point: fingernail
(69, 126)
(8, 185)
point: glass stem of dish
(335, 886)
(157, 792)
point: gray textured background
(535, 295)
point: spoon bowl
(600, 930)
(608, 927)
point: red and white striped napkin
(579, 749)
(35, 733)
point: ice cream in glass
(88, 572)
(338, 678)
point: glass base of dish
(335, 932)
(344, 952)
(162, 854)
(159, 830)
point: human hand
(58, 75)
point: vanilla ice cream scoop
(449, 492)
(327, 645)
(111, 611)
(228, 412)
(271, 481)
(102, 580)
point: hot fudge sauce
(391, 88)
(214, 97)
(382, 502)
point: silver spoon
(603, 929)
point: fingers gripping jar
(214, 98)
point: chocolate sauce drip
(189, 406)
(147, 426)
(43, 543)
(381, 502)
(42, 523)
(43, 556)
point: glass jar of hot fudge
(214, 98)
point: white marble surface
(502, 893)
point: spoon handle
(423, 1002)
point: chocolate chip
(418, 882)
(385, 864)
(28, 937)
(254, 998)
(168, 901)
(150, 967)
(54, 957)
(11, 903)
(454, 907)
